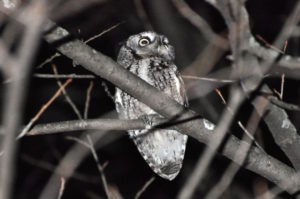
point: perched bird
(151, 57)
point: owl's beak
(163, 41)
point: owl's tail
(162, 149)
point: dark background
(126, 170)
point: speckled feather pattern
(162, 149)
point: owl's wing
(119, 104)
(182, 90)
(125, 57)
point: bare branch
(102, 33)
(239, 122)
(43, 109)
(19, 70)
(89, 144)
(62, 187)
(188, 190)
(51, 58)
(282, 86)
(235, 14)
(284, 105)
(283, 131)
(233, 168)
(143, 189)
(68, 165)
(63, 76)
(92, 124)
(209, 79)
(67, 97)
(48, 60)
(99, 166)
(88, 99)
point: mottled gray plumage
(151, 57)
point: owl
(150, 56)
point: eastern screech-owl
(151, 57)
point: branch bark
(283, 131)
(77, 125)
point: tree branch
(283, 131)
(289, 141)
(18, 69)
(77, 125)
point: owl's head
(150, 44)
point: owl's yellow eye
(144, 41)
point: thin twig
(67, 97)
(209, 79)
(221, 96)
(89, 144)
(268, 44)
(143, 189)
(220, 132)
(62, 187)
(103, 32)
(70, 162)
(63, 76)
(284, 105)
(239, 122)
(48, 60)
(252, 138)
(280, 94)
(233, 168)
(78, 140)
(104, 165)
(100, 168)
(88, 99)
(285, 46)
(282, 86)
(108, 93)
(43, 109)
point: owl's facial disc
(150, 44)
